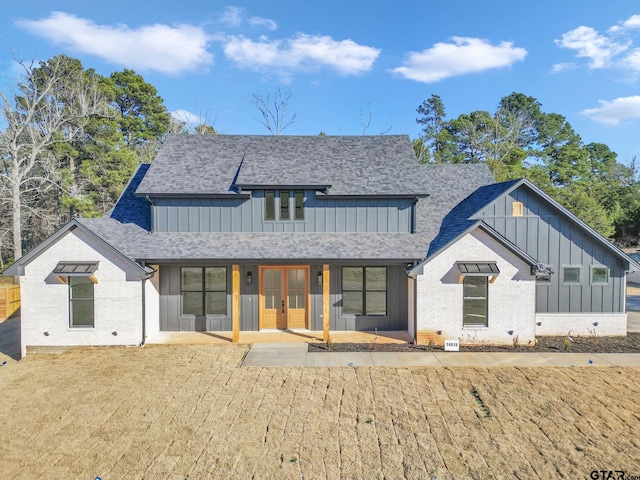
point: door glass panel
(272, 288)
(296, 287)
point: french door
(284, 297)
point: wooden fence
(9, 301)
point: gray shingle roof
(139, 244)
(460, 217)
(208, 164)
(132, 209)
(201, 164)
(446, 185)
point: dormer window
(299, 198)
(269, 205)
(284, 197)
(284, 205)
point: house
(252, 233)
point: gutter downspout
(144, 306)
(144, 311)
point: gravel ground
(628, 344)
(189, 412)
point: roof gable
(461, 217)
(563, 212)
(467, 215)
(16, 268)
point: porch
(284, 336)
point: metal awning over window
(478, 269)
(75, 269)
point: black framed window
(475, 301)
(81, 301)
(364, 290)
(204, 290)
(269, 205)
(289, 202)
(285, 214)
(298, 195)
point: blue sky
(344, 60)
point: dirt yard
(189, 412)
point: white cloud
(464, 55)
(302, 52)
(236, 16)
(263, 22)
(632, 61)
(559, 67)
(232, 16)
(632, 22)
(615, 111)
(589, 44)
(163, 48)
(187, 117)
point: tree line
(71, 138)
(519, 140)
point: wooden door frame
(307, 287)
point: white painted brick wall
(511, 297)
(581, 324)
(45, 301)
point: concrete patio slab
(276, 355)
(339, 359)
(575, 360)
(273, 336)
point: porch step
(276, 355)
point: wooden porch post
(235, 316)
(325, 302)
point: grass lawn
(179, 411)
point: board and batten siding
(171, 318)
(247, 215)
(554, 239)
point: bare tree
(366, 119)
(183, 122)
(273, 107)
(52, 106)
